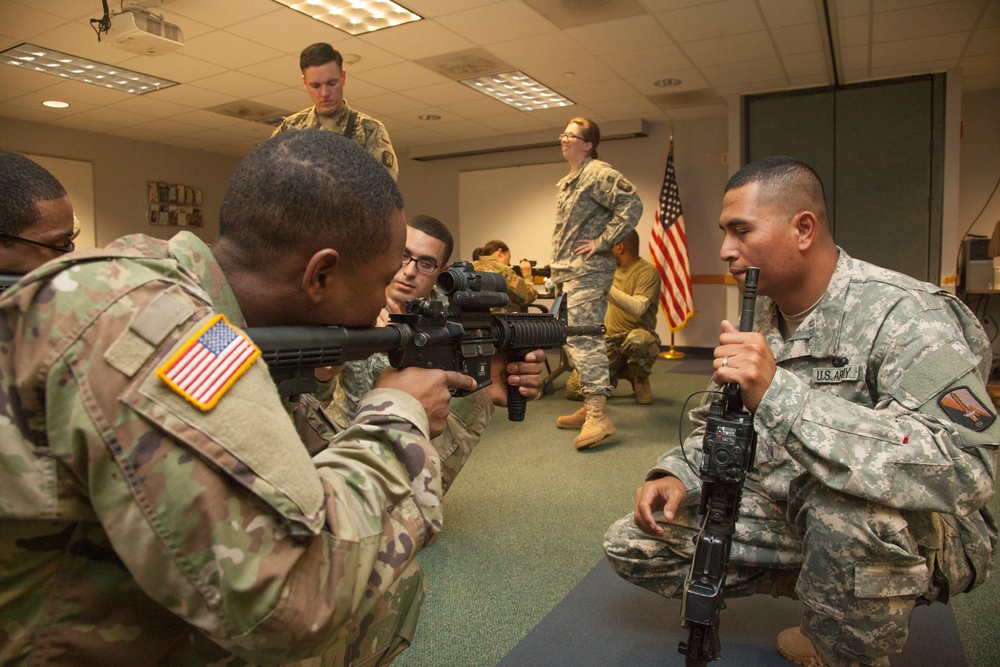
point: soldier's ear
(317, 278)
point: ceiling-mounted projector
(140, 32)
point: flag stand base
(672, 353)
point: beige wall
(121, 168)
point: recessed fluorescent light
(518, 90)
(667, 83)
(55, 104)
(31, 57)
(356, 17)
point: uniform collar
(819, 334)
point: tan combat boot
(643, 392)
(575, 420)
(597, 425)
(794, 646)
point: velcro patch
(624, 186)
(965, 409)
(209, 363)
(387, 159)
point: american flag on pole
(209, 363)
(668, 248)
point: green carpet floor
(525, 520)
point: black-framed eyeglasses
(570, 137)
(423, 265)
(69, 247)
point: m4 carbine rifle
(462, 335)
(728, 450)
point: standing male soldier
(323, 75)
(633, 345)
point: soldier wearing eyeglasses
(36, 215)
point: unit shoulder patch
(209, 363)
(965, 409)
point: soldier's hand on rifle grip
(666, 493)
(525, 374)
(431, 387)
(744, 358)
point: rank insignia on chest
(837, 374)
(965, 409)
(209, 363)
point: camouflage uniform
(519, 291)
(368, 133)
(631, 342)
(138, 529)
(595, 202)
(869, 480)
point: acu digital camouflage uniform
(875, 464)
(595, 202)
(632, 343)
(519, 292)
(136, 529)
(368, 133)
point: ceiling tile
(283, 70)
(854, 31)
(420, 39)
(781, 13)
(690, 79)
(713, 20)
(805, 65)
(752, 72)
(657, 62)
(289, 31)
(738, 48)
(194, 96)
(499, 22)
(392, 103)
(620, 35)
(941, 47)
(221, 13)
(108, 117)
(403, 76)
(928, 20)
(239, 84)
(798, 39)
(228, 50)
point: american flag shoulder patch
(209, 363)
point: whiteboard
(514, 204)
